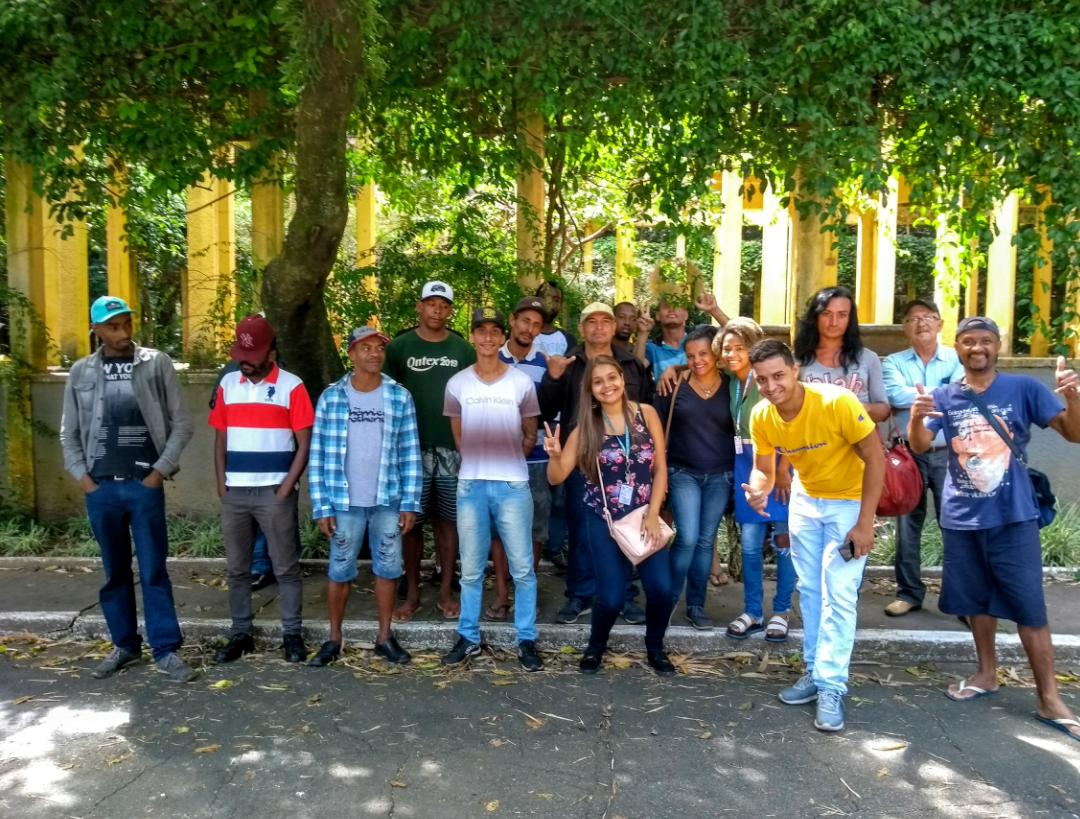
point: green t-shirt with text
(423, 368)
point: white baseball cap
(436, 288)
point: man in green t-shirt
(423, 360)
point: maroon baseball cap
(254, 338)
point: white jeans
(828, 586)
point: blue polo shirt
(534, 365)
(903, 370)
(661, 356)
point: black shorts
(994, 571)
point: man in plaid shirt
(365, 419)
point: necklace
(707, 390)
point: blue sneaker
(804, 691)
(830, 711)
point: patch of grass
(1061, 539)
(884, 553)
(20, 537)
(313, 546)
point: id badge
(738, 445)
(626, 494)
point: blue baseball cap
(107, 307)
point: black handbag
(1040, 484)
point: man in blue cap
(123, 428)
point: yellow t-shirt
(818, 441)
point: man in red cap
(263, 417)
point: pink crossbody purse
(627, 530)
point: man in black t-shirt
(123, 428)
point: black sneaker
(261, 581)
(237, 647)
(590, 661)
(573, 609)
(392, 652)
(328, 652)
(530, 660)
(295, 650)
(633, 614)
(462, 650)
(697, 617)
(661, 664)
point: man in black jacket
(559, 394)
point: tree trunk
(293, 284)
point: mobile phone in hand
(847, 551)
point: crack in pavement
(605, 740)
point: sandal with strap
(743, 626)
(777, 629)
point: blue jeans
(698, 502)
(510, 506)
(556, 536)
(828, 586)
(752, 536)
(120, 512)
(580, 582)
(384, 535)
(612, 571)
(909, 584)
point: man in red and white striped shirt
(263, 417)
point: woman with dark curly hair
(829, 350)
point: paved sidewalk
(55, 596)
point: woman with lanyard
(621, 445)
(701, 456)
(733, 345)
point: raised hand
(756, 499)
(644, 322)
(706, 302)
(552, 446)
(1068, 382)
(557, 365)
(923, 406)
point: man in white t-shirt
(493, 409)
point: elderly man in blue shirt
(931, 364)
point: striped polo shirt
(258, 420)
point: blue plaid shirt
(400, 467)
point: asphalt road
(262, 738)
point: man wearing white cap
(423, 360)
(124, 426)
(364, 475)
(559, 394)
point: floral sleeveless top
(619, 469)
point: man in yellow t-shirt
(839, 468)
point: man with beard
(552, 340)
(992, 565)
(263, 418)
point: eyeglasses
(922, 319)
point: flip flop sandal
(1062, 724)
(777, 629)
(448, 615)
(497, 614)
(720, 579)
(742, 627)
(979, 692)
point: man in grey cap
(990, 517)
(124, 426)
(364, 474)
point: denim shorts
(995, 571)
(384, 535)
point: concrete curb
(892, 645)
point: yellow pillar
(267, 221)
(122, 273)
(531, 190)
(207, 283)
(680, 247)
(587, 249)
(775, 254)
(1001, 270)
(26, 271)
(865, 263)
(1042, 277)
(947, 276)
(727, 245)
(885, 256)
(68, 281)
(625, 274)
(815, 259)
(366, 212)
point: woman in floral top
(627, 441)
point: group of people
(499, 440)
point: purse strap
(671, 412)
(603, 491)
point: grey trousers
(241, 509)
(909, 584)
